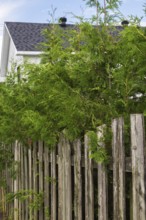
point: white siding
(11, 56)
(5, 52)
(32, 59)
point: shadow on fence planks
(75, 187)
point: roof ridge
(38, 23)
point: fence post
(137, 148)
(118, 170)
(102, 182)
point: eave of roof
(29, 53)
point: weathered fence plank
(61, 198)
(35, 175)
(67, 177)
(22, 179)
(30, 178)
(41, 174)
(46, 181)
(137, 147)
(52, 174)
(118, 170)
(102, 182)
(64, 180)
(89, 194)
(77, 181)
(53, 185)
(26, 181)
(16, 181)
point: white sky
(38, 10)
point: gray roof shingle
(27, 36)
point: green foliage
(97, 148)
(106, 11)
(35, 200)
(88, 75)
(6, 157)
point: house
(20, 43)
(21, 40)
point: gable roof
(22, 39)
(27, 36)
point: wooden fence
(67, 185)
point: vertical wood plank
(22, 179)
(40, 157)
(30, 177)
(16, 181)
(77, 181)
(64, 180)
(102, 181)
(67, 172)
(137, 148)
(35, 175)
(26, 181)
(118, 169)
(53, 184)
(46, 181)
(12, 180)
(89, 190)
(19, 178)
(61, 212)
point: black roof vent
(125, 23)
(63, 21)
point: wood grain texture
(77, 181)
(53, 185)
(102, 181)
(118, 169)
(89, 191)
(138, 171)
